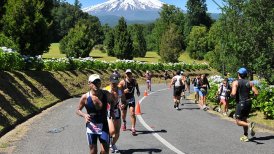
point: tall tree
(139, 42)
(65, 16)
(25, 23)
(171, 46)
(2, 10)
(246, 36)
(109, 42)
(197, 42)
(168, 15)
(196, 15)
(81, 39)
(123, 48)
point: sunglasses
(97, 81)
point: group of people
(106, 108)
(240, 90)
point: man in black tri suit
(128, 86)
(241, 90)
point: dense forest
(242, 36)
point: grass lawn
(150, 57)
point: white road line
(156, 135)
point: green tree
(81, 39)
(25, 24)
(7, 42)
(123, 48)
(197, 42)
(109, 42)
(168, 15)
(196, 15)
(2, 10)
(139, 42)
(171, 45)
(245, 35)
(65, 16)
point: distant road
(160, 129)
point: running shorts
(130, 102)
(92, 136)
(243, 109)
(177, 91)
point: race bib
(116, 113)
(94, 128)
(130, 101)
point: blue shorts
(130, 102)
(202, 93)
(196, 90)
(103, 138)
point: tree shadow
(47, 80)
(12, 90)
(28, 83)
(150, 132)
(149, 151)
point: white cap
(93, 77)
(128, 71)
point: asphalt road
(160, 129)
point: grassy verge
(151, 56)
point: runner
(148, 80)
(195, 83)
(166, 76)
(241, 91)
(203, 85)
(224, 93)
(128, 86)
(188, 84)
(176, 81)
(95, 102)
(114, 120)
(115, 72)
(183, 96)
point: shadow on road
(256, 139)
(150, 132)
(130, 151)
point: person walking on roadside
(95, 102)
(188, 83)
(176, 81)
(148, 77)
(166, 76)
(183, 96)
(195, 83)
(114, 116)
(241, 89)
(203, 85)
(128, 86)
(224, 94)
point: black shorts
(177, 91)
(243, 109)
(183, 88)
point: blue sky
(211, 6)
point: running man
(95, 102)
(183, 96)
(176, 81)
(241, 91)
(114, 120)
(195, 83)
(148, 77)
(128, 86)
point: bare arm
(234, 88)
(254, 89)
(81, 106)
(137, 88)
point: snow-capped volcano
(142, 10)
(126, 5)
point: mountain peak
(125, 5)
